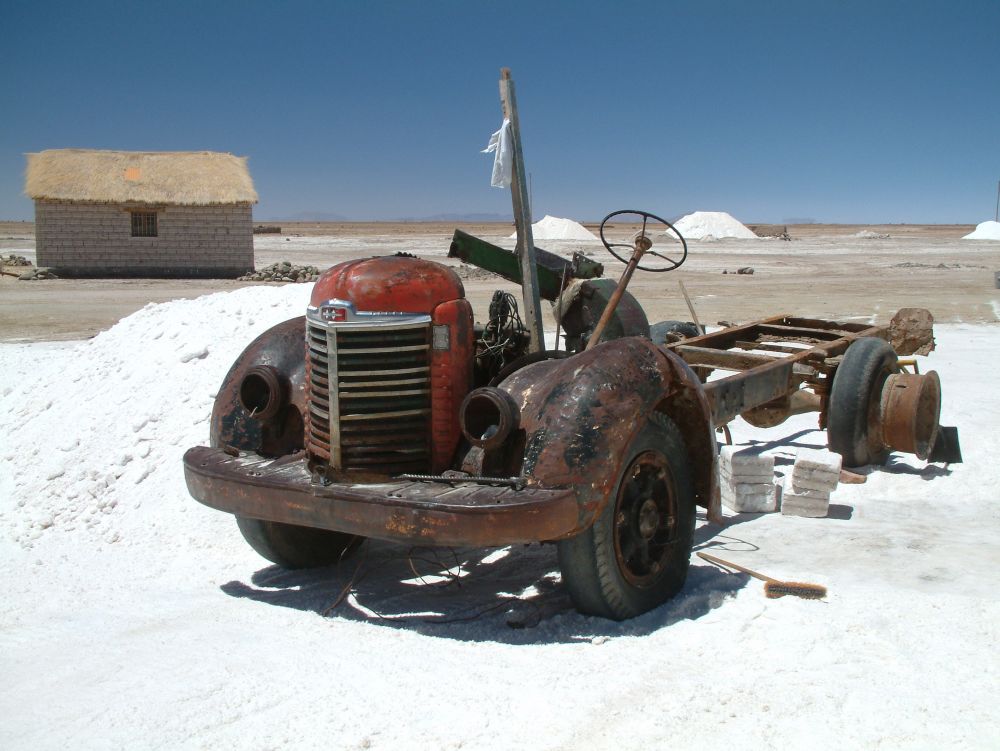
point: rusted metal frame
(824, 325)
(774, 378)
(783, 327)
(792, 330)
(738, 361)
(721, 358)
(282, 490)
(770, 347)
(738, 393)
(724, 339)
(828, 342)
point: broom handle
(720, 562)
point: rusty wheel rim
(873, 438)
(645, 520)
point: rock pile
(473, 273)
(13, 260)
(283, 271)
(37, 274)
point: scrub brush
(773, 587)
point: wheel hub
(645, 515)
(649, 519)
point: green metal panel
(551, 268)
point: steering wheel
(645, 240)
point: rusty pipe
(262, 392)
(488, 415)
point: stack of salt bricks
(807, 489)
(746, 480)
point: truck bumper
(430, 513)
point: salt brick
(792, 487)
(746, 458)
(827, 483)
(756, 502)
(793, 504)
(745, 489)
(818, 459)
(744, 476)
(815, 474)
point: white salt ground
(134, 617)
(712, 224)
(555, 228)
(984, 231)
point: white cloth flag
(503, 159)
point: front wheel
(635, 555)
(291, 546)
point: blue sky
(862, 112)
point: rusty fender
(579, 415)
(281, 347)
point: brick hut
(142, 213)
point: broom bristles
(775, 589)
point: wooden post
(522, 218)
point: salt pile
(96, 435)
(985, 231)
(554, 228)
(717, 224)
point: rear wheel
(635, 556)
(291, 546)
(854, 419)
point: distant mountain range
(322, 216)
(309, 216)
(471, 217)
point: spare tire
(666, 332)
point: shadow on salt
(510, 595)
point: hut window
(143, 224)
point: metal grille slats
(370, 397)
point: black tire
(852, 424)
(291, 546)
(635, 555)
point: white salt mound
(718, 224)
(985, 231)
(554, 228)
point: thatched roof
(190, 178)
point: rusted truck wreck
(386, 412)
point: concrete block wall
(95, 239)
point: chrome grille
(370, 396)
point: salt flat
(825, 271)
(134, 617)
